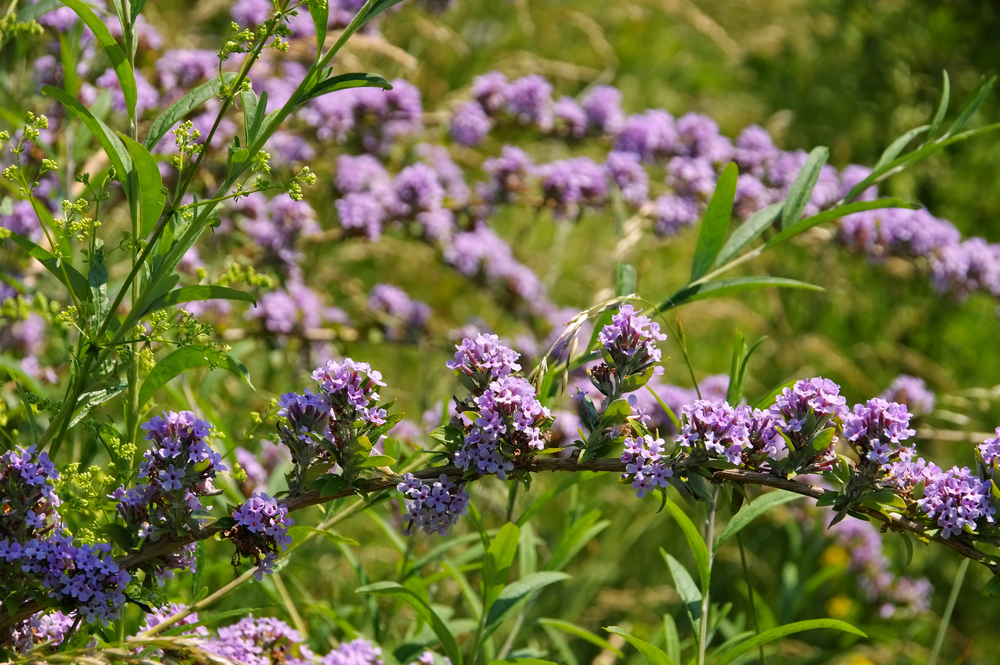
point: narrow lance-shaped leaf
(185, 358)
(72, 278)
(695, 542)
(149, 202)
(686, 588)
(896, 147)
(119, 61)
(189, 102)
(394, 590)
(625, 280)
(514, 596)
(942, 109)
(320, 12)
(345, 81)
(768, 635)
(119, 156)
(715, 225)
(837, 213)
(725, 287)
(196, 293)
(915, 156)
(654, 654)
(978, 97)
(497, 562)
(752, 511)
(756, 224)
(583, 634)
(802, 188)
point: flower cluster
(507, 430)
(326, 425)
(402, 318)
(483, 360)
(629, 342)
(432, 507)
(261, 530)
(646, 464)
(956, 499)
(260, 642)
(877, 429)
(802, 413)
(912, 392)
(358, 651)
(717, 428)
(178, 468)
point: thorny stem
(709, 538)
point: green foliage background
(852, 75)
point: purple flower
(571, 116)
(646, 466)
(529, 99)
(261, 531)
(603, 106)
(509, 174)
(484, 358)
(432, 507)
(469, 124)
(490, 90)
(571, 184)
(630, 340)
(630, 176)
(406, 318)
(875, 425)
(911, 391)
(650, 136)
(673, 212)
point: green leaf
(752, 511)
(942, 109)
(149, 187)
(725, 287)
(332, 485)
(666, 409)
(781, 631)
(982, 90)
(198, 292)
(576, 538)
(686, 588)
(654, 654)
(917, 155)
(514, 596)
(543, 499)
(299, 532)
(523, 661)
(72, 278)
(837, 213)
(758, 222)
(672, 639)
(625, 279)
(373, 461)
(715, 225)
(769, 398)
(398, 591)
(185, 358)
(497, 562)
(35, 11)
(801, 190)
(320, 11)
(119, 61)
(119, 535)
(377, 8)
(583, 634)
(189, 102)
(345, 81)
(698, 547)
(119, 156)
(992, 587)
(896, 147)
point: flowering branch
(154, 550)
